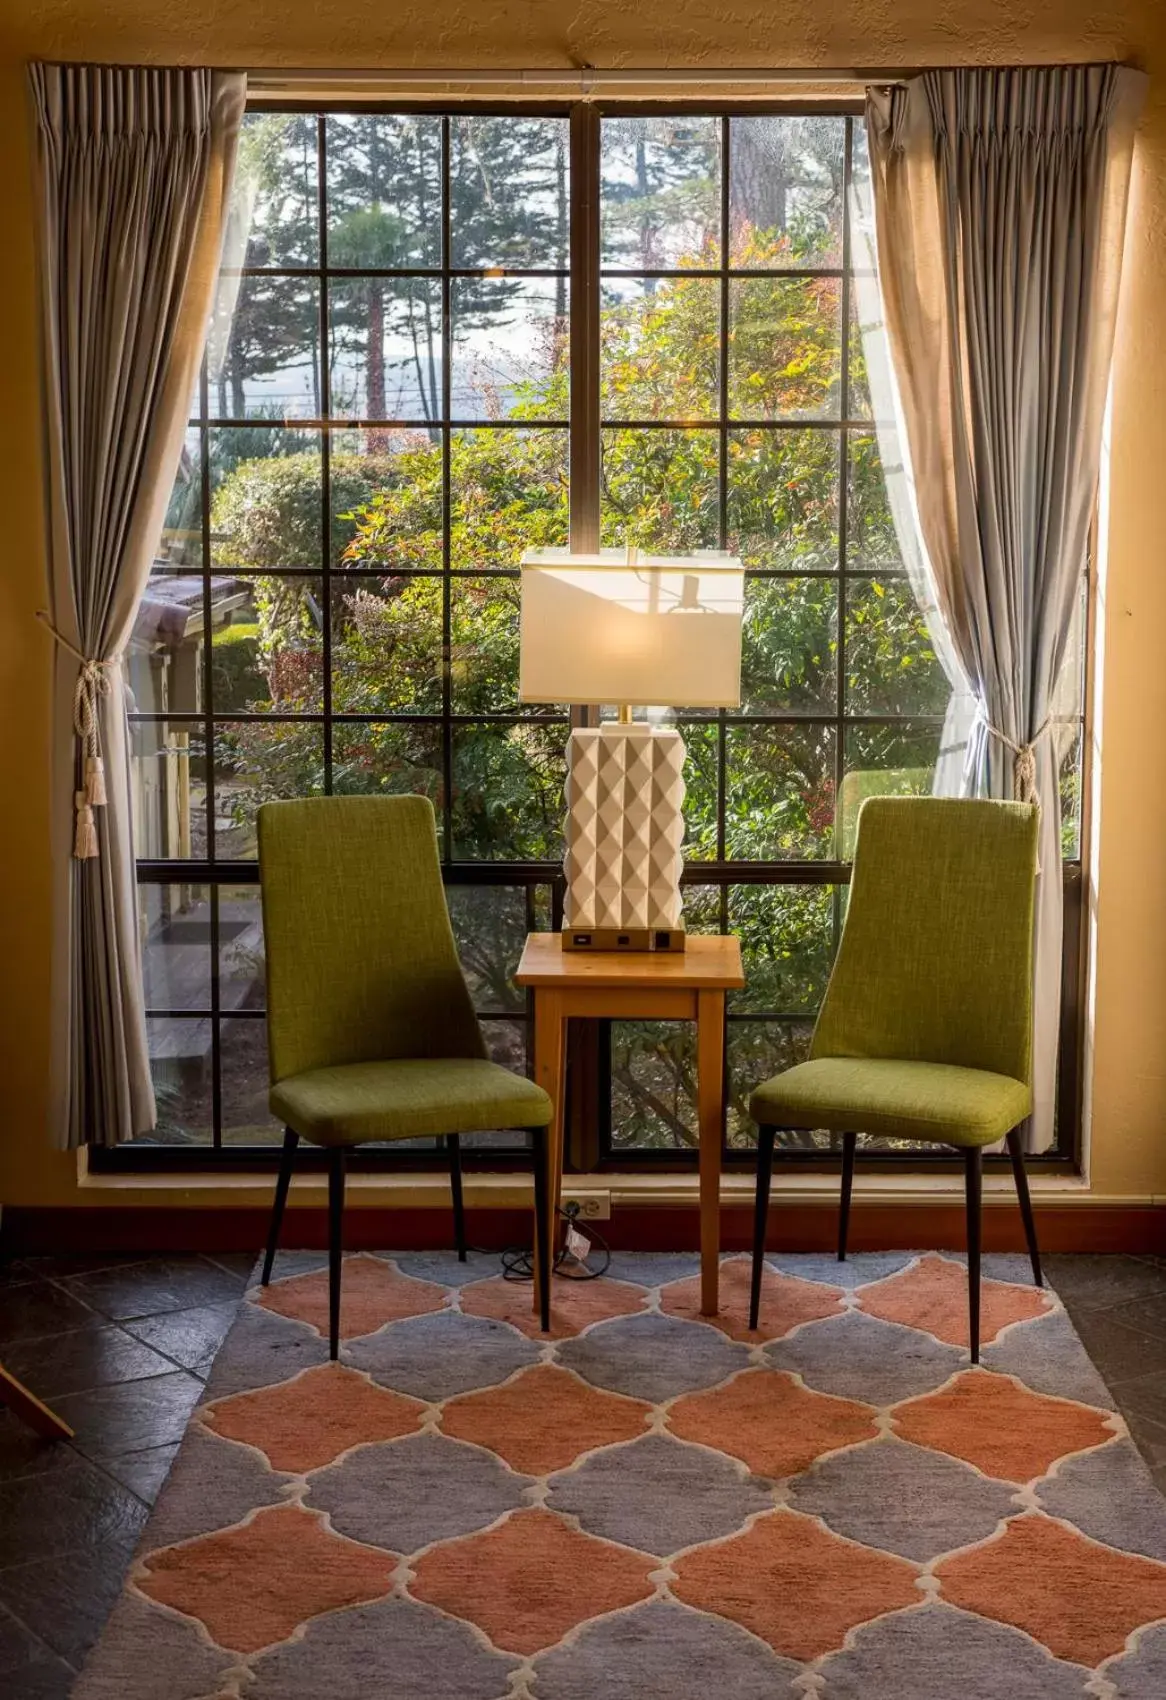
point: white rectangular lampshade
(614, 627)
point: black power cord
(518, 1261)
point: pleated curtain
(999, 202)
(133, 170)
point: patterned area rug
(647, 1507)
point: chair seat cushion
(908, 1100)
(409, 1098)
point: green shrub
(237, 678)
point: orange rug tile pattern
(645, 1504)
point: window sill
(430, 1190)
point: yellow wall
(1129, 1072)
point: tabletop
(710, 962)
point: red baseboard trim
(25, 1231)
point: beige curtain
(999, 204)
(133, 169)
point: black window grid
(721, 872)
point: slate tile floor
(121, 1348)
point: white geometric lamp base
(625, 828)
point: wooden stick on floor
(28, 1407)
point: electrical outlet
(592, 1206)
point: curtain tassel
(95, 782)
(92, 683)
(85, 836)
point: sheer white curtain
(895, 460)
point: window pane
(385, 357)
(653, 1086)
(660, 489)
(511, 342)
(268, 655)
(787, 944)
(274, 199)
(506, 1042)
(508, 792)
(386, 646)
(883, 761)
(702, 909)
(181, 541)
(267, 499)
(263, 349)
(386, 499)
(175, 924)
(244, 1077)
(489, 924)
(660, 192)
(483, 657)
(257, 762)
(858, 402)
(789, 644)
(785, 348)
(786, 191)
(891, 667)
(241, 958)
(384, 758)
(660, 348)
(181, 1068)
(1071, 780)
(168, 786)
(871, 544)
(783, 499)
(755, 1051)
(509, 191)
(166, 659)
(508, 494)
(779, 786)
(384, 189)
(701, 768)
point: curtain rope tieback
(92, 684)
(1024, 786)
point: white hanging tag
(578, 1244)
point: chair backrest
(935, 960)
(361, 961)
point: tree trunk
(375, 362)
(561, 225)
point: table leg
(710, 1095)
(549, 1072)
(29, 1408)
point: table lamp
(617, 627)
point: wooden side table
(689, 985)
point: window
(442, 337)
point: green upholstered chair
(925, 1031)
(371, 1031)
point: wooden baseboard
(25, 1231)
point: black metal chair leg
(540, 1139)
(973, 1177)
(290, 1140)
(765, 1138)
(453, 1146)
(1019, 1175)
(336, 1167)
(849, 1143)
